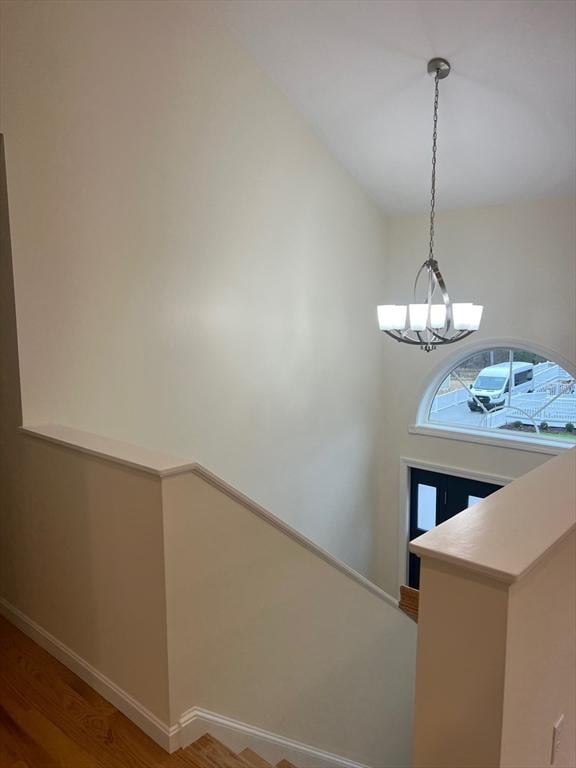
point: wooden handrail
(409, 600)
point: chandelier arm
(432, 266)
(444, 291)
(424, 266)
(450, 340)
(438, 339)
(402, 338)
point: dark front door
(435, 498)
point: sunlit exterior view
(508, 390)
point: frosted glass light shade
(391, 317)
(467, 317)
(418, 316)
(461, 316)
(427, 323)
(475, 317)
(437, 316)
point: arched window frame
(423, 426)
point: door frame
(406, 464)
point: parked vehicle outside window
(506, 392)
(492, 384)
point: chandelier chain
(434, 152)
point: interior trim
(147, 721)
(194, 722)
(237, 735)
(487, 437)
(406, 464)
(162, 466)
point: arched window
(503, 393)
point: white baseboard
(193, 723)
(160, 732)
(273, 748)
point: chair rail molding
(160, 465)
(193, 541)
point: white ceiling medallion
(426, 324)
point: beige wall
(184, 595)
(10, 405)
(460, 669)
(541, 664)
(496, 659)
(517, 260)
(82, 555)
(255, 627)
(264, 631)
(81, 540)
(201, 276)
(497, 666)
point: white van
(492, 384)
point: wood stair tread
(285, 764)
(208, 752)
(50, 718)
(253, 759)
(409, 601)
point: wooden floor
(49, 718)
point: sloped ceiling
(356, 69)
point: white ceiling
(357, 70)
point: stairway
(208, 752)
(50, 718)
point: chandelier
(427, 324)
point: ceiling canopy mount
(440, 66)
